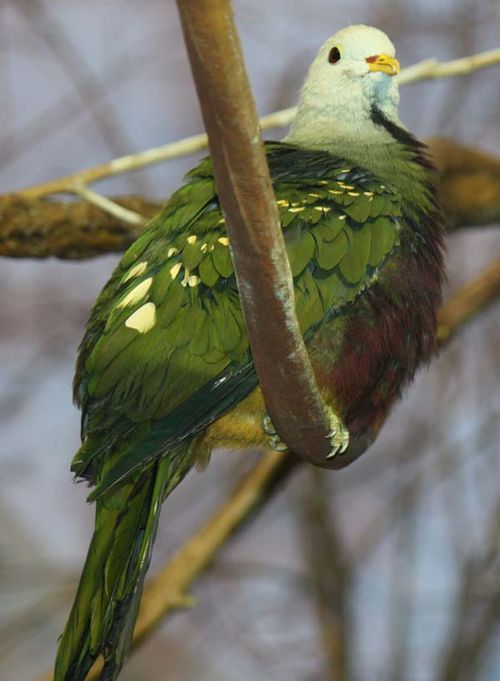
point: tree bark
(258, 249)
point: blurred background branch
(330, 572)
(477, 610)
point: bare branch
(472, 297)
(433, 68)
(130, 217)
(38, 228)
(190, 145)
(245, 191)
(123, 164)
(470, 183)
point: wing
(166, 353)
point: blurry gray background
(83, 82)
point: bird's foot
(274, 441)
(338, 435)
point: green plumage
(185, 256)
(165, 354)
(109, 593)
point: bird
(164, 372)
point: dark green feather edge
(194, 364)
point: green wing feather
(166, 353)
(141, 368)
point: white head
(353, 72)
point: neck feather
(374, 139)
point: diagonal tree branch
(473, 296)
(430, 69)
(121, 213)
(470, 183)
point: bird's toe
(338, 435)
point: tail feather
(103, 616)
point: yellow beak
(382, 62)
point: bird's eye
(334, 55)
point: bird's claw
(338, 435)
(274, 441)
(277, 444)
(268, 425)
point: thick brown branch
(470, 183)
(468, 301)
(37, 228)
(245, 191)
(33, 227)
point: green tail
(102, 619)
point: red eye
(334, 55)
